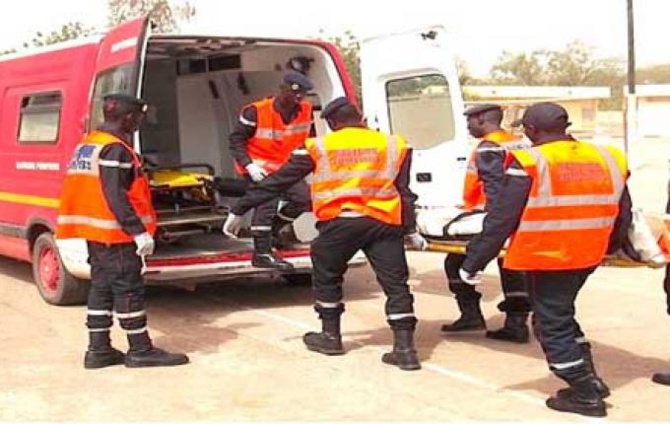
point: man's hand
(145, 244)
(232, 226)
(415, 241)
(472, 278)
(256, 172)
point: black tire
(55, 284)
(302, 279)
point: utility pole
(630, 117)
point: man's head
(341, 113)
(294, 87)
(124, 110)
(544, 119)
(483, 119)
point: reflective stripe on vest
(368, 191)
(571, 231)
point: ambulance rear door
(411, 88)
(119, 66)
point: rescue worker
(262, 141)
(362, 201)
(105, 200)
(664, 377)
(564, 203)
(482, 184)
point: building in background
(580, 102)
(653, 109)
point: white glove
(256, 172)
(145, 244)
(470, 278)
(415, 241)
(232, 226)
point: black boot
(600, 386)
(264, 257)
(515, 329)
(100, 353)
(404, 354)
(154, 357)
(471, 318)
(95, 359)
(329, 340)
(661, 378)
(581, 398)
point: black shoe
(271, 260)
(598, 383)
(661, 378)
(510, 334)
(154, 357)
(465, 323)
(590, 408)
(323, 343)
(95, 359)
(407, 360)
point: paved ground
(248, 362)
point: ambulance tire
(301, 279)
(55, 284)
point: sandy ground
(248, 361)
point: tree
(349, 49)
(520, 68)
(69, 31)
(165, 15)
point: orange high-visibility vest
(473, 188)
(84, 212)
(273, 142)
(355, 170)
(572, 206)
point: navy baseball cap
(125, 103)
(544, 116)
(297, 81)
(477, 109)
(334, 105)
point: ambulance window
(116, 80)
(40, 118)
(420, 109)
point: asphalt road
(248, 361)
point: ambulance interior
(196, 87)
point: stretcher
(449, 231)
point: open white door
(119, 65)
(411, 88)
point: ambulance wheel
(55, 284)
(303, 279)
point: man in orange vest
(105, 200)
(262, 141)
(564, 203)
(482, 184)
(664, 377)
(362, 201)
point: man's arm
(117, 174)
(619, 235)
(490, 160)
(407, 197)
(502, 219)
(245, 128)
(299, 165)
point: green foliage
(349, 48)
(165, 15)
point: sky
(480, 30)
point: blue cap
(333, 106)
(124, 103)
(297, 81)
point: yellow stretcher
(458, 246)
